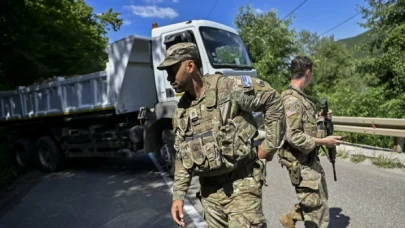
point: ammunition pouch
(211, 146)
(321, 131)
(202, 154)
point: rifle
(327, 125)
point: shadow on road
(104, 192)
(337, 219)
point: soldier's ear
(190, 66)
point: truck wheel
(169, 151)
(172, 154)
(49, 154)
(165, 157)
(23, 151)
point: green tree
(45, 38)
(387, 45)
(333, 63)
(271, 43)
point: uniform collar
(298, 90)
(194, 101)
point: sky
(314, 15)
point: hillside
(352, 44)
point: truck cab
(125, 109)
(220, 47)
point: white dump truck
(125, 109)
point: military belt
(203, 135)
(292, 149)
(239, 173)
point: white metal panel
(138, 86)
(157, 32)
(119, 54)
(62, 96)
(85, 93)
(159, 51)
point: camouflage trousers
(312, 195)
(234, 199)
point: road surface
(132, 193)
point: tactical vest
(309, 125)
(214, 144)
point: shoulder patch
(260, 82)
(246, 81)
(260, 85)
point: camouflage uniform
(214, 140)
(300, 157)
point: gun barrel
(334, 172)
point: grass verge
(386, 162)
(357, 158)
(342, 153)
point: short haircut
(299, 65)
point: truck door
(169, 39)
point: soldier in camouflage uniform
(299, 153)
(214, 130)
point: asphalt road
(100, 193)
(132, 193)
(362, 196)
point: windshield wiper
(235, 66)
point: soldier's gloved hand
(262, 155)
(332, 140)
(177, 212)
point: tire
(166, 152)
(165, 156)
(49, 154)
(172, 160)
(23, 152)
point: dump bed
(62, 96)
(124, 86)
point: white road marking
(188, 207)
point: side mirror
(177, 38)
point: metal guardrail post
(399, 144)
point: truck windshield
(225, 49)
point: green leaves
(387, 29)
(271, 42)
(45, 38)
(369, 84)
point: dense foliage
(366, 79)
(45, 38)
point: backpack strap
(211, 95)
